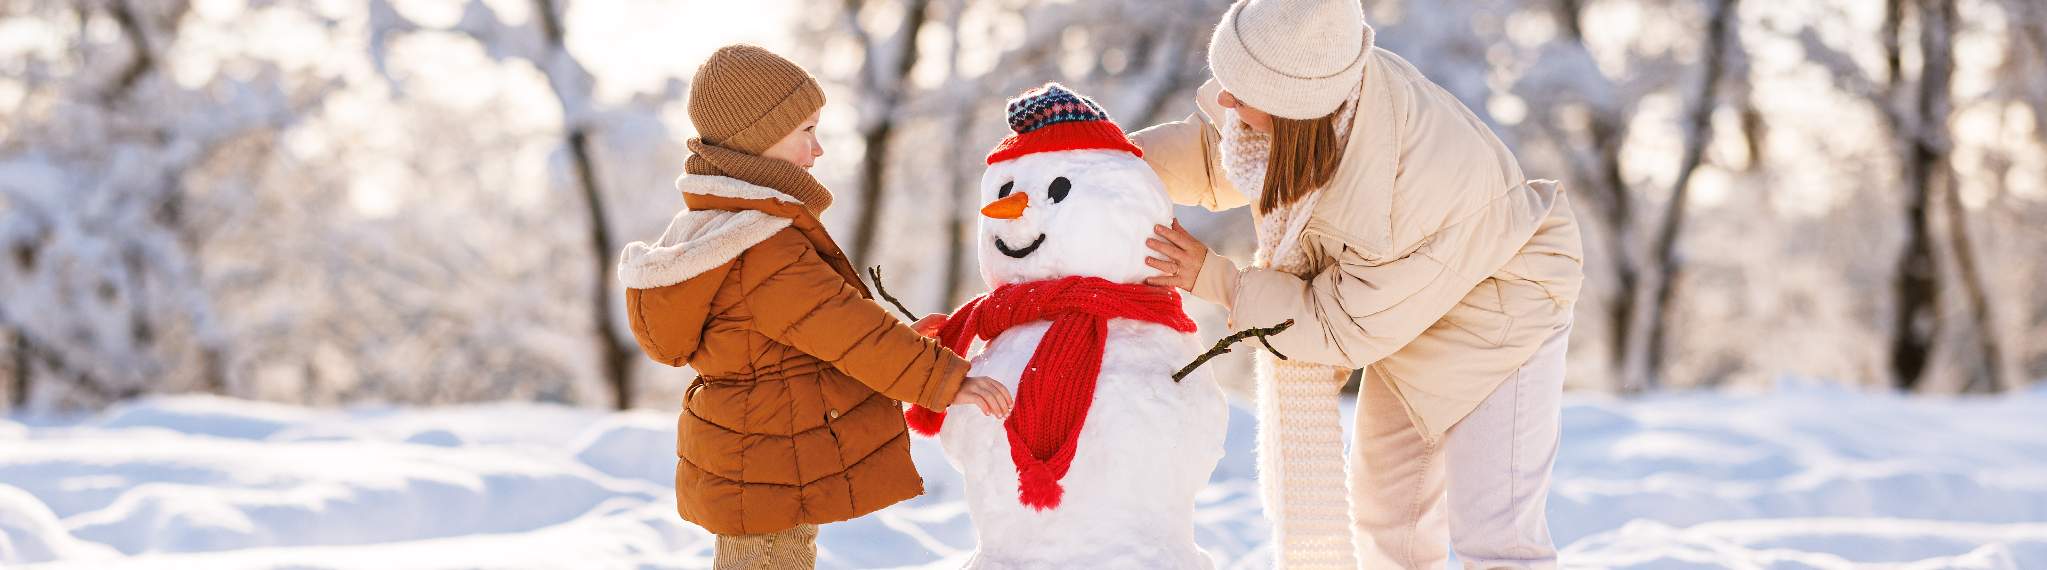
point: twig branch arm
(1223, 346)
(874, 274)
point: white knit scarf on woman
(1300, 432)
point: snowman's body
(1148, 444)
(1148, 448)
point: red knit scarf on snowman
(1058, 386)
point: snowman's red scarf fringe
(1058, 386)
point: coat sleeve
(1357, 310)
(1184, 155)
(808, 306)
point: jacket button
(831, 415)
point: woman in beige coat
(1401, 237)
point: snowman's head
(1070, 213)
(1067, 195)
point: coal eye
(1060, 186)
(1006, 187)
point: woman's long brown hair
(1304, 156)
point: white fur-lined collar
(697, 241)
(728, 187)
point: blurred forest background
(421, 201)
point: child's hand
(929, 325)
(992, 398)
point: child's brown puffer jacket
(795, 416)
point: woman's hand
(1183, 256)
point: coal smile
(1019, 253)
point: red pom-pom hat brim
(1073, 135)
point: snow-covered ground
(1809, 477)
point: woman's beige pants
(793, 548)
(1481, 489)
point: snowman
(1098, 464)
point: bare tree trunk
(1913, 287)
(2031, 32)
(1618, 219)
(960, 226)
(2026, 57)
(885, 83)
(614, 358)
(1916, 316)
(1755, 129)
(17, 353)
(961, 233)
(144, 58)
(1991, 377)
(959, 229)
(1938, 23)
(1930, 186)
(1912, 319)
(1615, 210)
(1722, 36)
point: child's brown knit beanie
(746, 98)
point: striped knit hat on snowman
(1052, 118)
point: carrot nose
(1008, 208)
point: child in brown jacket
(795, 418)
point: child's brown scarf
(1058, 386)
(712, 160)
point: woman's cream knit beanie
(1296, 59)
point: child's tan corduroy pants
(793, 548)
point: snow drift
(1810, 477)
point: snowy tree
(541, 44)
(950, 83)
(103, 292)
(1917, 105)
(419, 200)
(327, 219)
